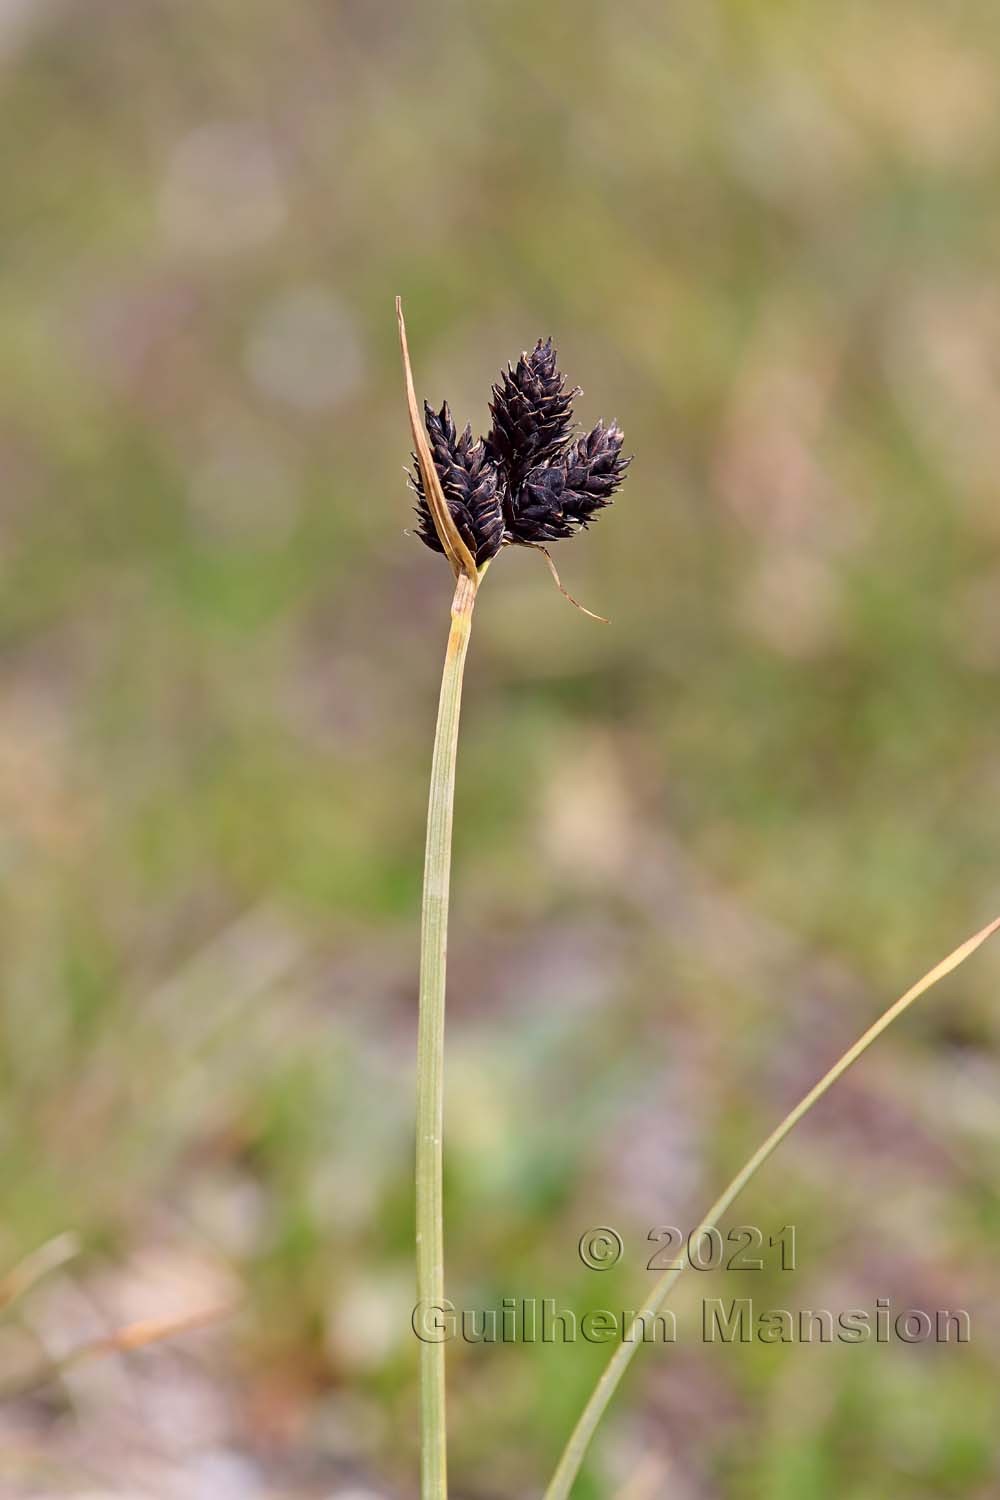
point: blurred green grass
(695, 850)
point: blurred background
(696, 851)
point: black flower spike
(531, 481)
(468, 476)
(559, 498)
(532, 415)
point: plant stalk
(430, 1041)
(575, 1450)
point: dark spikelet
(538, 511)
(594, 470)
(532, 415)
(559, 498)
(469, 480)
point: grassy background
(696, 851)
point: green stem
(430, 1041)
(576, 1448)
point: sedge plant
(530, 481)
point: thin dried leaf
(122, 1341)
(579, 1441)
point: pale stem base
(430, 1041)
